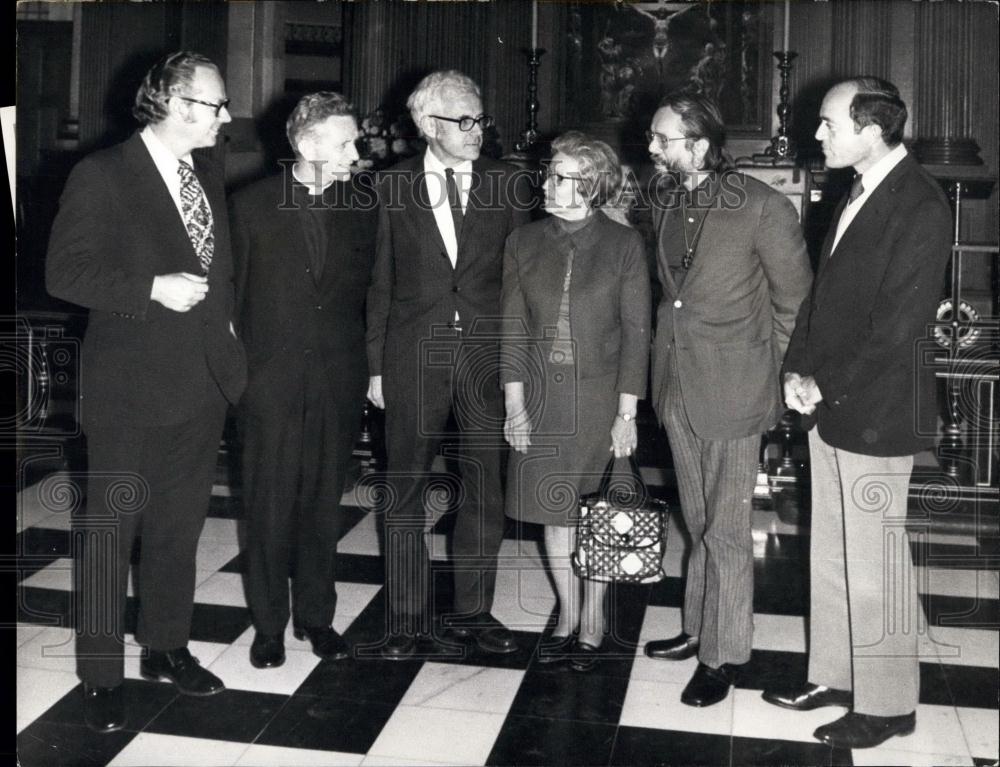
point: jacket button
(319, 306)
(678, 304)
(454, 288)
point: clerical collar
(310, 187)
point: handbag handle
(602, 489)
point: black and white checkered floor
(482, 709)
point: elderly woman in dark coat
(576, 302)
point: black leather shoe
(555, 649)
(104, 708)
(584, 656)
(809, 697)
(489, 633)
(326, 642)
(680, 647)
(181, 668)
(709, 685)
(267, 650)
(399, 647)
(855, 730)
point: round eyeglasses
(466, 123)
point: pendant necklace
(690, 246)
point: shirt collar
(309, 187)
(874, 176)
(164, 159)
(433, 165)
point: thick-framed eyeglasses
(661, 139)
(224, 104)
(466, 123)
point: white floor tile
(677, 672)
(464, 688)
(770, 523)
(784, 633)
(220, 529)
(214, 554)
(753, 717)
(961, 647)
(658, 706)
(430, 734)
(660, 623)
(885, 754)
(151, 750)
(52, 649)
(395, 761)
(959, 583)
(276, 756)
(222, 589)
(57, 575)
(981, 726)
(523, 613)
(38, 690)
(521, 552)
(938, 731)
(362, 539)
(50, 502)
(525, 583)
(233, 667)
(27, 632)
(353, 598)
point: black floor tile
(768, 669)
(781, 586)
(234, 715)
(327, 724)
(934, 689)
(669, 592)
(364, 679)
(952, 556)
(972, 686)
(43, 743)
(218, 623)
(525, 740)
(225, 507)
(659, 748)
(562, 693)
(751, 751)
(965, 612)
(43, 542)
(351, 516)
(143, 701)
(473, 655)
(49, 607)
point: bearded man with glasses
(433, 352)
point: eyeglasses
(224, 104)
(466, 123)
(548, 173)
(661, 139)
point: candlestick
(530, 135)
(782, 148)
(534, 24)
(788, 11)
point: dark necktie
(197, 216)
(454, 202)
(857, 189)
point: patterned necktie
(454, 201)
(197, 216)
(857, 189)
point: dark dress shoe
(809, 697)
(555, 649)
(399, 647)
(104, 708)
(326, 642)
(181, 668)
(709, 685)
(854, 730)
(489, 633)
(680, 647)
(584, 656)
(267, 650)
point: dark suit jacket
(117, 228)
(731, 320)
(609, 301)
(414, 286)
(287, 319)
(858, 331)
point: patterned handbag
(621, 532)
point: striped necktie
(197, 216)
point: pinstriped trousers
(716, 479)
(865, 616)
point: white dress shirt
(166, 163)
(437, 196)
(870, 180)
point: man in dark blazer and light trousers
(433, 351)
(854, 368)
(142, 240)
(303, 247)
(734, 270)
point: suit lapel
(476, 208)
(659, 221)
(417, 200)
(145, 186)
